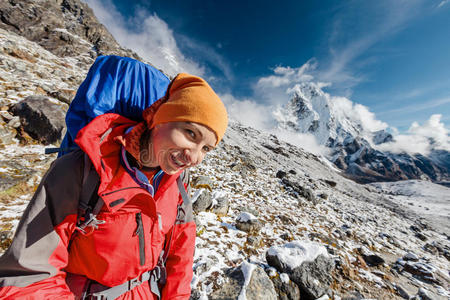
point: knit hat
(188, 99)
(191, 99)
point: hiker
(134, 235)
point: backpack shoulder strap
(90, 203)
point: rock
(6, 136)
(64, 95)
(254, 241)
(298, 190)
(421, 270)
(330, 183)
(14, 122)
(65, 28)
(221, 206)
(307, 265)
(402, 292)
(6, 239)
(248, 209)
(248, 223)
(205, 265)
(285, 288)
(202, 182)
(421, 236)
(437, 248)
(424, 294)
(410, 257)
(281, 174)
(41, 119)
(203, 201)
(373, 260)
(285, 219)
(314, 278)
(259, 286)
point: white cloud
(302, 140)
(147, 35)
(444, 2)
(249, 112)
(421, 138)
(358, 114)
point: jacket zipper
(140, 233)
(127, 188)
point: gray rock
(203, 202)
(249, 226)
(424, 294)
(202, 182)
(14, 122)
(285, 290)
(260, 287)
(313, 278)
(40, 118)
(204, 265)
(410, 257)
(221, 207)
(6, 135)
(298, 190)
(64, 95)
(402, 292)
(281, 174)
(41, 22)
(373, 260)
(254, 241)
(421, 270)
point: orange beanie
(191, 99)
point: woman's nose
(194, 156)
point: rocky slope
(353, 148)
(272, 220)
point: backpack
(114, 84)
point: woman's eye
(206, 149)
(190, 133)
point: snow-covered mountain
(352, 144)
(273, 221)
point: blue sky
(393, 57)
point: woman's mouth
(176, 162)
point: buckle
(134, 283)
(97, 297)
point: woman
(143, 225)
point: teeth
(177, 162)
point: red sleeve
(179, 263)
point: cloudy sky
(391, 59)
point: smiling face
(177, 145)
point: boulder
(247, 281)
(202, 182)
(285, 288)
(299, 191)
(221, 206)
(373, 260)
(203, 200)
(41, 119)
(307, 265)
(248, 223)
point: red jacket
(35, 265)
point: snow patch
(295, 253)
(247, 269)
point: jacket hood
(100, 140)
